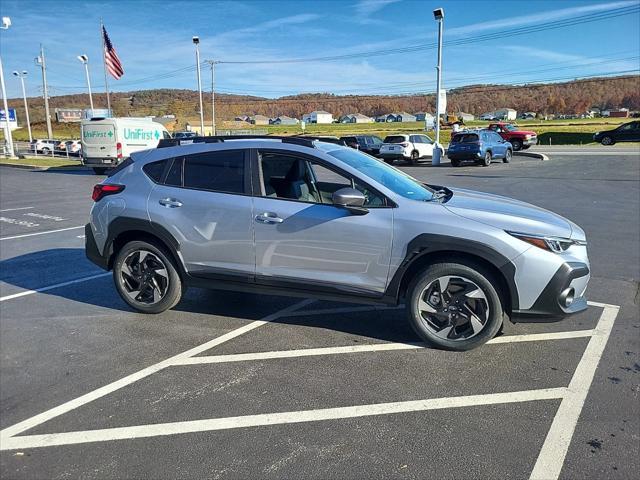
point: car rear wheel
(517, 144)
(607, 141)
(507, 156)
(146, 277)
(487, 159)
(454, 306)
(414, 157)
(455, 162)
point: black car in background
(367, 143)
(627, 132)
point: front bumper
(530, 142)
(569, 281)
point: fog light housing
(567, 296)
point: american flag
(111, 59)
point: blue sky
(153, 40)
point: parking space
(230, 385)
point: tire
(414, 157)
(45, 151)
(455, 163)
(454, 329)
(388, 161)
(607, 141)
(517, 144)
(99, 170)
(142, 264)
(507, 156)
(487, 159)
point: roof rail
(172, 142)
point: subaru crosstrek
(294, 216)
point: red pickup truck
(520, 139)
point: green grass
(41, 162)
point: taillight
(404, 144)
(119, 149)
(103, 189)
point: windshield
(392, 178)
(511, 128)
(395, 139)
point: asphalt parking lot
(230, 385)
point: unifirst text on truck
(108, 141)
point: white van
(108, 141)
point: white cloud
(366, 8)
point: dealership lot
(319, 389)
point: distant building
(69, 115)
(242, 118)
(284, 120)
(355, 118)
(465, 117)
(505, 114)
(318, 116)
(259, 120)
(620, 113)
(422, 116)
(396, 117)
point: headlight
(551, 244)
(527, 137)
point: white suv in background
(44, 145)
(411, 147)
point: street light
(21, 76)
(6, 23)
(196, 42)
(438, 15)
(85, 61)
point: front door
(301, 237)
(205, 204)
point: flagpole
(104, 64)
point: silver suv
(295, 216)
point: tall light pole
(41, 62)
(196, 42)
(21, 75)
(6, 23)
(213, 63)
(438, 14)
(85, 61)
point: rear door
(99, 140)
(204, 202)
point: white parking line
(15, 209)
(51, 287)
(41, 233)
(134, 377)
(211, 424)
(378, 347)
(555, 447)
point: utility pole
(6, 23)
(21, 76)
(196, 42)
(213, 63)
(438, 14)
(43, 65)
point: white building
(355, 118)
(505, 114)
(318, 116)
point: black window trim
(257, 184)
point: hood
(508, 214)
(524, 132)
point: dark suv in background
(365, 143)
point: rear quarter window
(154, 170)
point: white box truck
(108, 141)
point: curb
(539, 156)
(44, 169)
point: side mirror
(351, 199)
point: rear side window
(395, 139)
(465, 138)
(215, 171)
(154, 170)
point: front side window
(221, 171)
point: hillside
(568, 98)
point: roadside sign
(443, 101)
(303, 124)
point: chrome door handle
(170, 202)
(269, 218)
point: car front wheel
(507, 156)
(607, 141)
(517, 144)
(454, 306)
(146, 277)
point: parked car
(365, 143)
(184, 134)
(627, 132)
(410, 147)
(519, 139)
(481, 146)
(73, 147)
(324, 138)
(43, 145)
(315, 219)
(106, 142)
